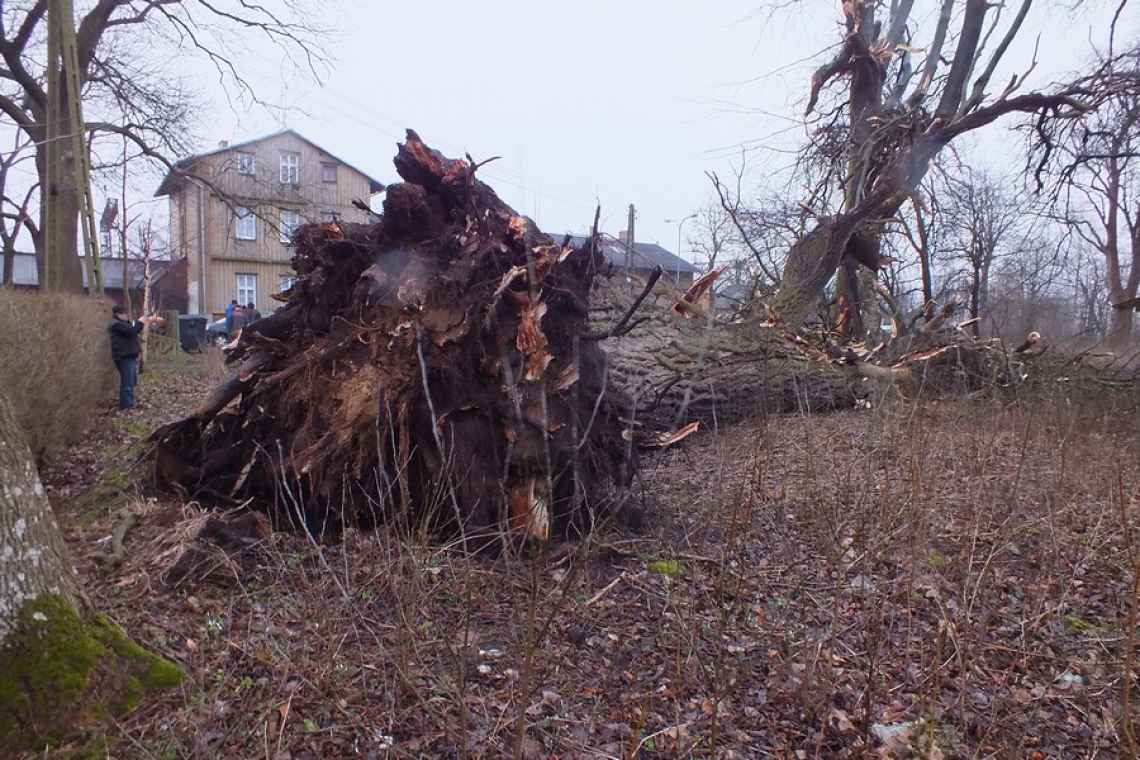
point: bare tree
(921, 227)
(984, 223)
(1088, 283)
(1026, 290)
(896, 117)
(15, 209)
(1101, 202)
(713, 238)
(124, 89)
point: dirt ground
(926, 579)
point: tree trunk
(849, 320)
(9, 265)
(1119, 327)
(676, 369)
(58, 662)
(31, 546)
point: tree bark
(1119, 326)
(32, 559)
(676, 369)
(58, 662)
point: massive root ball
(433, 366)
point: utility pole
(123, 236)
(629, 247)
(51, 274)
(64, 145)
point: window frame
(238, 289)
(325, 166)
(290, 168)
(285, 282)
(286, 230)
(242, 169)
(241, 220)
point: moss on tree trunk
(62, 666)
(60, 670)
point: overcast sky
(617, 102)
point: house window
(328, 173)
(286, 282)
(328, 216)
(245, 224)
(290, 168)
(247, 289)
(290, 221)
(245, 163)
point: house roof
(174, 176)
(645, 255)
(24, 271)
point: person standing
(240, 320)
(230, 318)
(125, 348)
(252, 313)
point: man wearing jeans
(125, 349)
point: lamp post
(680, 223)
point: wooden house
(233, 211)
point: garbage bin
(192, 332)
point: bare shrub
(55, 363)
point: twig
(605, 590)
(1130, 646)
(623, 326)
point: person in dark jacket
(252, 314)
(125, 348)
(230, 317)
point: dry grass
(953, 570)
(55, 363)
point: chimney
(623, 236)
(223, 143)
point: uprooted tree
(432, 367)
(444, 367)
(61, 665)
(445, 364)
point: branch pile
(434, 366)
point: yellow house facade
(234, 209)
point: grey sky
(618, 102)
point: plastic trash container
(192, 332)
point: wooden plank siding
(203, 225)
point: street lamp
(680, 223)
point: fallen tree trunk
(682, 365)
(429, 367)
(678, 368)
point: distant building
(167, 280)
(240, 247)
(646, 256)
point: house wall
(204, 226)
